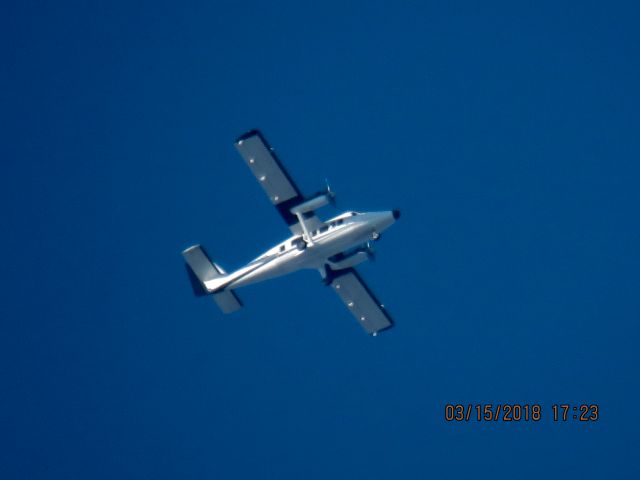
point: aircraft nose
(396, 214)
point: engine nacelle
(313, 204)
(340, 261)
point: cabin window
(340, 222)
(282, 248)
(324, 229)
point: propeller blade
(330, 193)
(371, 252)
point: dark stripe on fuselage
(258, 263)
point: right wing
(360, 301)
(276, 182)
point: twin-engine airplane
(333, 247)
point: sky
(506, 132)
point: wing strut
(303, 224)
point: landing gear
(299, 243)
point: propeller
(331, 195)
(371, 253)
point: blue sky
(507, 135)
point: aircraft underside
(333, 247)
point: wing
(276, 182)
(360, 301)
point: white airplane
(333, 247)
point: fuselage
(335, 236)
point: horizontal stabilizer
(228, 301)
(198, 288)
(200, 263)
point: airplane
(333, 247)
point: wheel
(375, 236)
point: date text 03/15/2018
(515, 412)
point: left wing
(274, 179)
(360, 301)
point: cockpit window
(324, 228)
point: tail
(200, 270)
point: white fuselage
(337, 235)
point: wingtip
(249, 134)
